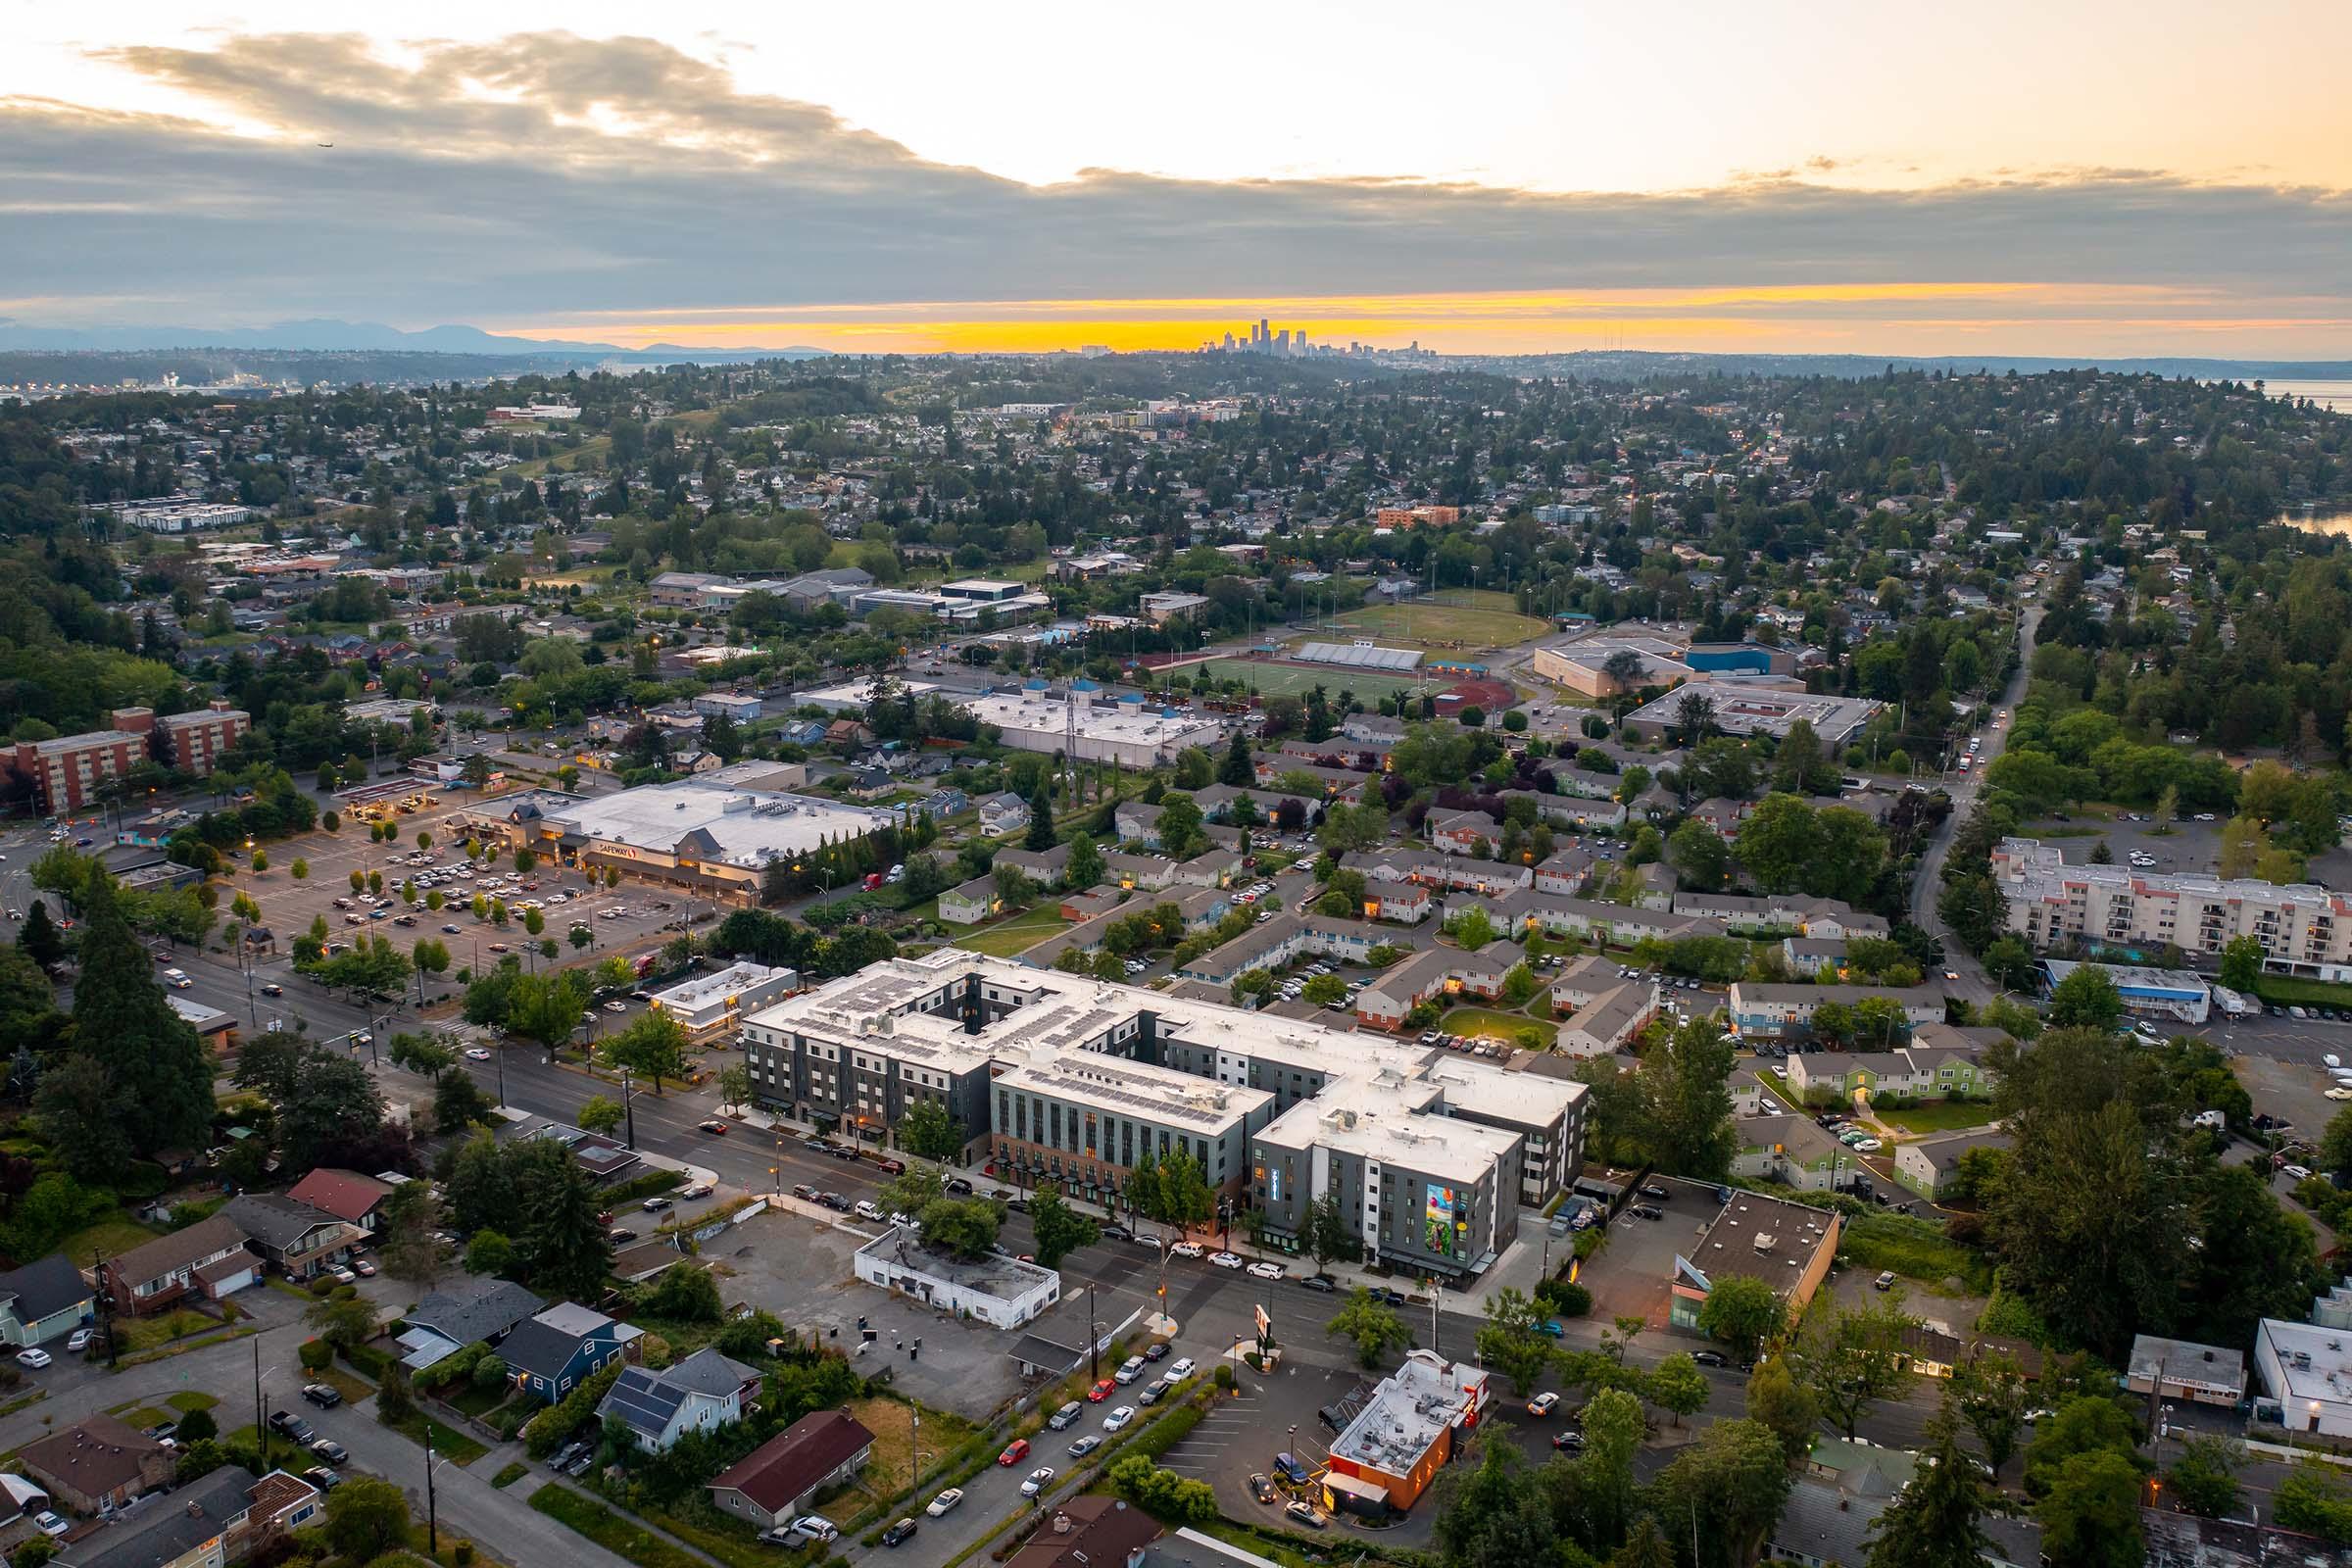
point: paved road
(1927, 885)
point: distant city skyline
(1845, 177)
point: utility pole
(106, 1310)
(628, 1104)
(1094, 1338)
(261, 1424)
(432, 1513)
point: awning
(1355, 1487)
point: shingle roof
(488, 1307)
(161, 1256)
(274, 1220)
(787, 1466)
(539, 1348)
(164, 1529)
(345, 1194)
(50, 1285)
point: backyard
(1014, 934)
(1485, 1021)
(1935, 1116)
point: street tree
(1509, 1341)
(1776, 1398)
(653, 1046)
(1934, 1522)
(1678, 1387)
(600, 1115)
(1733, 1481)
(1059, 1229)
(1743, 1314)
(1371, 1325)
(1993, 1398)
(929, 1131)
(1851, 1358)
(2203, 1481)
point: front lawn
(890, 1421)
(448, 1443)
(1937, 1116)
(1013, 935)
(1487, 1021)
(609, 1530)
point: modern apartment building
(2306, 930)
(1069, 1080)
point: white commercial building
(1128, 732)
(1744, 706)
(2306, 1373)
(703, 838)
(2304, 929)
(709, 1004)
(1001, 1291)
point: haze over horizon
(1843, 178)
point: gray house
(43, 1300)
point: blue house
(554, 1350)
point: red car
(717, 1127)
(1099, 1392)
(1015, 1452)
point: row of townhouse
(1766, 1010)
(2304, 929)
(1428, 976)
(1068, 1081)
(1446, 873)
(1807, 917)
(1231, 803)
(1341, 785)
(1582, 813)
(1585, 919)
(1287, 938)
(1908, 1072)
(1603, 1012)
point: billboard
(1445, 1221)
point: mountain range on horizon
(327, 336)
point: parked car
(324, 1479)
(32, 1356)
(1015, 1453)
(325, 1395)
(1117, 1419)
(331, 1450)
(1103, 1390)
(286, 1424)
(1037, 1480)
(655, 1205)
(1884, 1281)
(80, 1339)
(1065, 1417)
(1709, 1357)
(1129, 1370)
(1304, 1514)
(1082, 1447)
(714, 1127)
(946, 1502)
(903, 1530)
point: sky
(1828, 176)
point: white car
(2300, 1173)
(2340, 1094)
(1180, 1369)
(50, 1524)
(1868, 1146)
(1039, 1480)
(80, 1339)
(946, 1502)
(1117, 1420)
(477, 1054)
(1224, 1260)
(1266, 1271)
(1129, 1370)
(1187, 1249)
(32, 1356)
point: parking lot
(2189, 847)
(1630, 1276)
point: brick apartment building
(67, 772)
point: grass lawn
(609, 1530)
(1297, 681)
(348, 1383)
(147, 1333)
(1015, 935)
(1493, 622)
(2283, 990)
(1939, 1116)
(448, 1443)
(117, 1233)
(894, 1440)
(515, 1471)
(1499, 1025)
(1915, 1248)
(191, 1400)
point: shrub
(550, 1426)
(316, 1355)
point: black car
(1318, 1281)
(1569, 1439)
(331, 1450)
(1020, 1206)
(321, 1394)
(1157, 1350)
(274, 988)
(1116, 1233)
(619, 1234)
(1649, 1211)
(1391, 1298)
(1653, 1190)
(904, 1529)
(322, 1478)
(844, 1153)
(1709, 1357)
(957, 1185)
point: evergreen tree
(1086, 863)
(1237, 770)
(1040, 820)
(569, 1253)
(122, 1019)
(1933, 1524)
(41, 939)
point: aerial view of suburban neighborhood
(1101, 921)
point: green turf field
(1452, 620)
(1297, 681)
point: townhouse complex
(2305, 929)
(1066, 1079)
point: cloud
(545, 175)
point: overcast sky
(2051, 177)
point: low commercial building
(1001, 1292)
(1406, 1431)
(1131, 734)
(1788, 1246)
(1763, 706)
(709, 1005)
(2184, 1370)
(703, 838)
(2306, 1375)
(2169, 996)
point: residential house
(775, 1482)
(1811, 957)
(1409, 902)
(209, 1258)
(1428, 975)
(1003, 813)
(1045, 867)
(99, 1462)
(478, 1313)
(551, 1352)
(348, 1195)
(1913, 1072)
(1462, 832)
(1095, 1530)
(971, 903)
(1764, 1011)
(1583, 813)
(1792, 1150)
(1566, 874)
(704, 1391)
(1611, 1021)
(43, 1300)
(1931, 1166)
(300, 1242)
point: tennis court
(1297, 681)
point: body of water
(2336, 395)
(2321, 519)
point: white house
(700, 1394)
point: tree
(1509, 1343)
(2087, 999)
(928, 1132)
(1085, 869)
(1060, 1229)
(83, 1116)
(2090, 1514)
(345, 1322)
(1369, 1321)
(413, 1251)
(541, 1008)
(735, 1085)
(2314, 1499)
(2242, 963)
(1777, 1400)
(1678, 1387)
(1778, 843)
(2082, 1424)
(425, 1054)
(1041, 819)
(1237, 770)
(1742, 1314)
(366, 1518)
(1646, 1546)
(1324, 1233)
(123, 1021)
(489, 1253)
(459, 1102)
(600, 1115)
(565, 1244)
(41, 939)
(653, 1046)
(1991, 1396)
(2204, 1479)
(962, 1228)
(1933, 1523)
(1853, 1359)
(1733, 1482)
(1699, 855)
(1496, 1516)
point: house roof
(485, 1308)
(93, 1456)
(166, 1254)
(276, 1493)
(539, 1348)
(274, 1220)
(1102, 1532)
(345, 1194)
(789, 1465)
(647, 1400)
(164, 1530)
(39, 1289)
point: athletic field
(1297, 681)
(1451, 621)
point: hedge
(553, 1424)
(645, 1185)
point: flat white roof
(1125, 723)
(750, 827)
(690, 995)
(858, 691)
